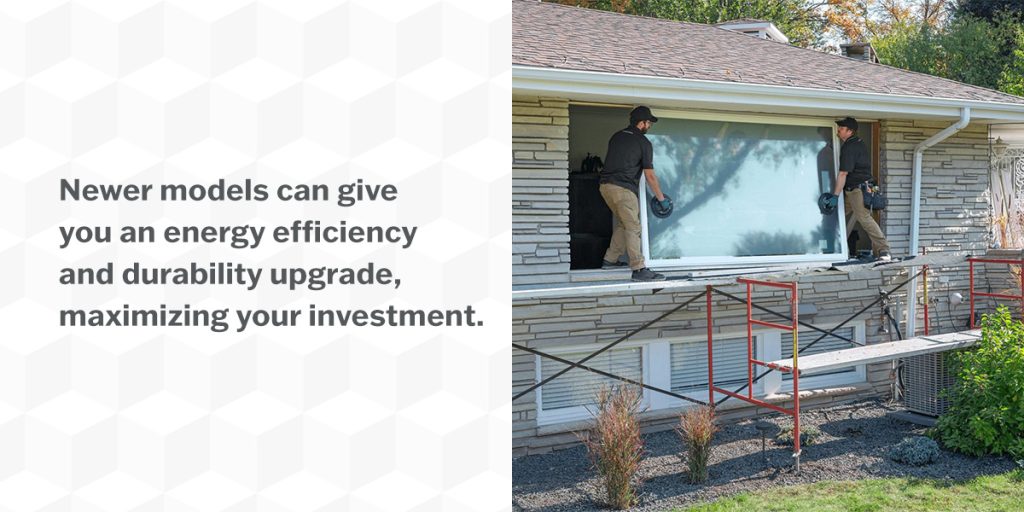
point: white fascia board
(584, 85)
(766, 26)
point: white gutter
(915, 208)
(631, 88)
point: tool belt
(873, 198)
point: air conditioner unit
(924, 379)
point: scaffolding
(860, 354)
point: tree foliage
(912, 47)
(968, 49)
(1012, 79)
(989, 9)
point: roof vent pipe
(915, 207)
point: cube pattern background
(301, 419)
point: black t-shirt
(629, 153)
(855, 160)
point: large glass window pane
(742, 189)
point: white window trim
(660, 375)
(744, 261)
(664, 401)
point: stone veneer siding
(540, 190)
(954, 218)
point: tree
(909, 46)
(967, 49)
(989, 9)
(972, 52)
(862, 20)
(1012, 79)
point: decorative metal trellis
(1007, 194)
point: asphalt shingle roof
(557, 36)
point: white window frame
(666, 401)
(745, 261)
(582, 412)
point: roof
(547, 35)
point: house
(744, 145)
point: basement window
(690, 365)
(569, 395)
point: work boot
(605, 264)
(646, 274)
(884, 256)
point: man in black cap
(854, 171)
(629, 155)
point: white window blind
(690, 364)
(579, 387)
(828, 344)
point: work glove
(661, 208)
(828, 203)
(832, 201)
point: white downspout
(915, 209)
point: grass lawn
(990, 493)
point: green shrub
(809, 434)
(986, 412)
(614, 444)
(916, 451)
(697, 429)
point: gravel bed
(854, 445)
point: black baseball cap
(642, 114)
(848, 122)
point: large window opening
(745, 189)
(857, 240)
(590, 220)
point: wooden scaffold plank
(881, 352)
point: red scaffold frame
(972, 261)
(752, 361)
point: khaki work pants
(625, 205)
(857, 213)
